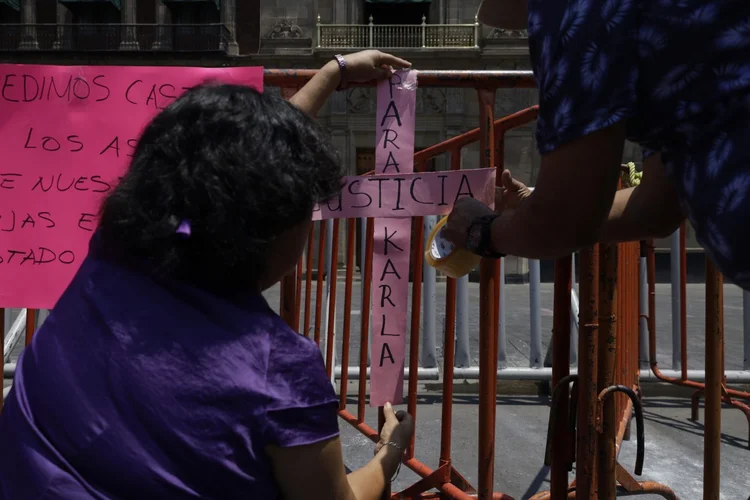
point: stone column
(129, 39)
(163, 32)
(28, 19)
(64, 20)
(228, 15)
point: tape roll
(443, 256)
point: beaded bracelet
(342, 69)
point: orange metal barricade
(728, 395)
(587, 423)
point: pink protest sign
(67, 134)
(394, 154)
(407, 195)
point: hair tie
(184, 228)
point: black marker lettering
(26, 97)
(114, 144)
(6, 181)
(50, 144)
(339, 208)
(13, 253)
(388, 241)
(63, 189)
(40, 260)
(391, 84)
(385, 294)
(385, 353)
(442, 190)
(28, 257)
(388, 264)
(380, 189)
(52, 86)
(81, 88)
(47, 217)
(69, 257)
(168, 95)
(464, 180)
(127, 91)
(12, 223)
(386, 140)
(132, 143)
(391, 162)
(98, 180)
(74, 139)
(95, 81)
(6, 86)
(382, 330)
(28, 140)
(28, 220)
(398, 180)
(80, 184)
(40, 184)
(414, 196)
(86, 219)
(351, 191)
(391, 106)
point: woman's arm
(362, 66)
(650, 210)
(571, 200)
(316, 92)
(317, 472)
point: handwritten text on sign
(394, 154)
(407, 195)
(67, 134)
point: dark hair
(240, 166)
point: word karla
(407, 195)
(74, 144)
(389, 285)
(15, 221)
(25, 88)
(36, 256)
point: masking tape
(443, 256)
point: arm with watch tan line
(316, 471)
(573, 210)
(365, 66)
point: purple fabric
(134, 389)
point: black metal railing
(109, 37)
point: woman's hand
(372, 65)
(360, 67)
(398, 428)
(508, 196)
(511, 192)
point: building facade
(433, 34)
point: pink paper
(408, 195)
(66, 134)
(394, 154)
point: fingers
(390, 60)
(507, 180)
(389, 413)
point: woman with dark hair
(162, 372)
(672, 76)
